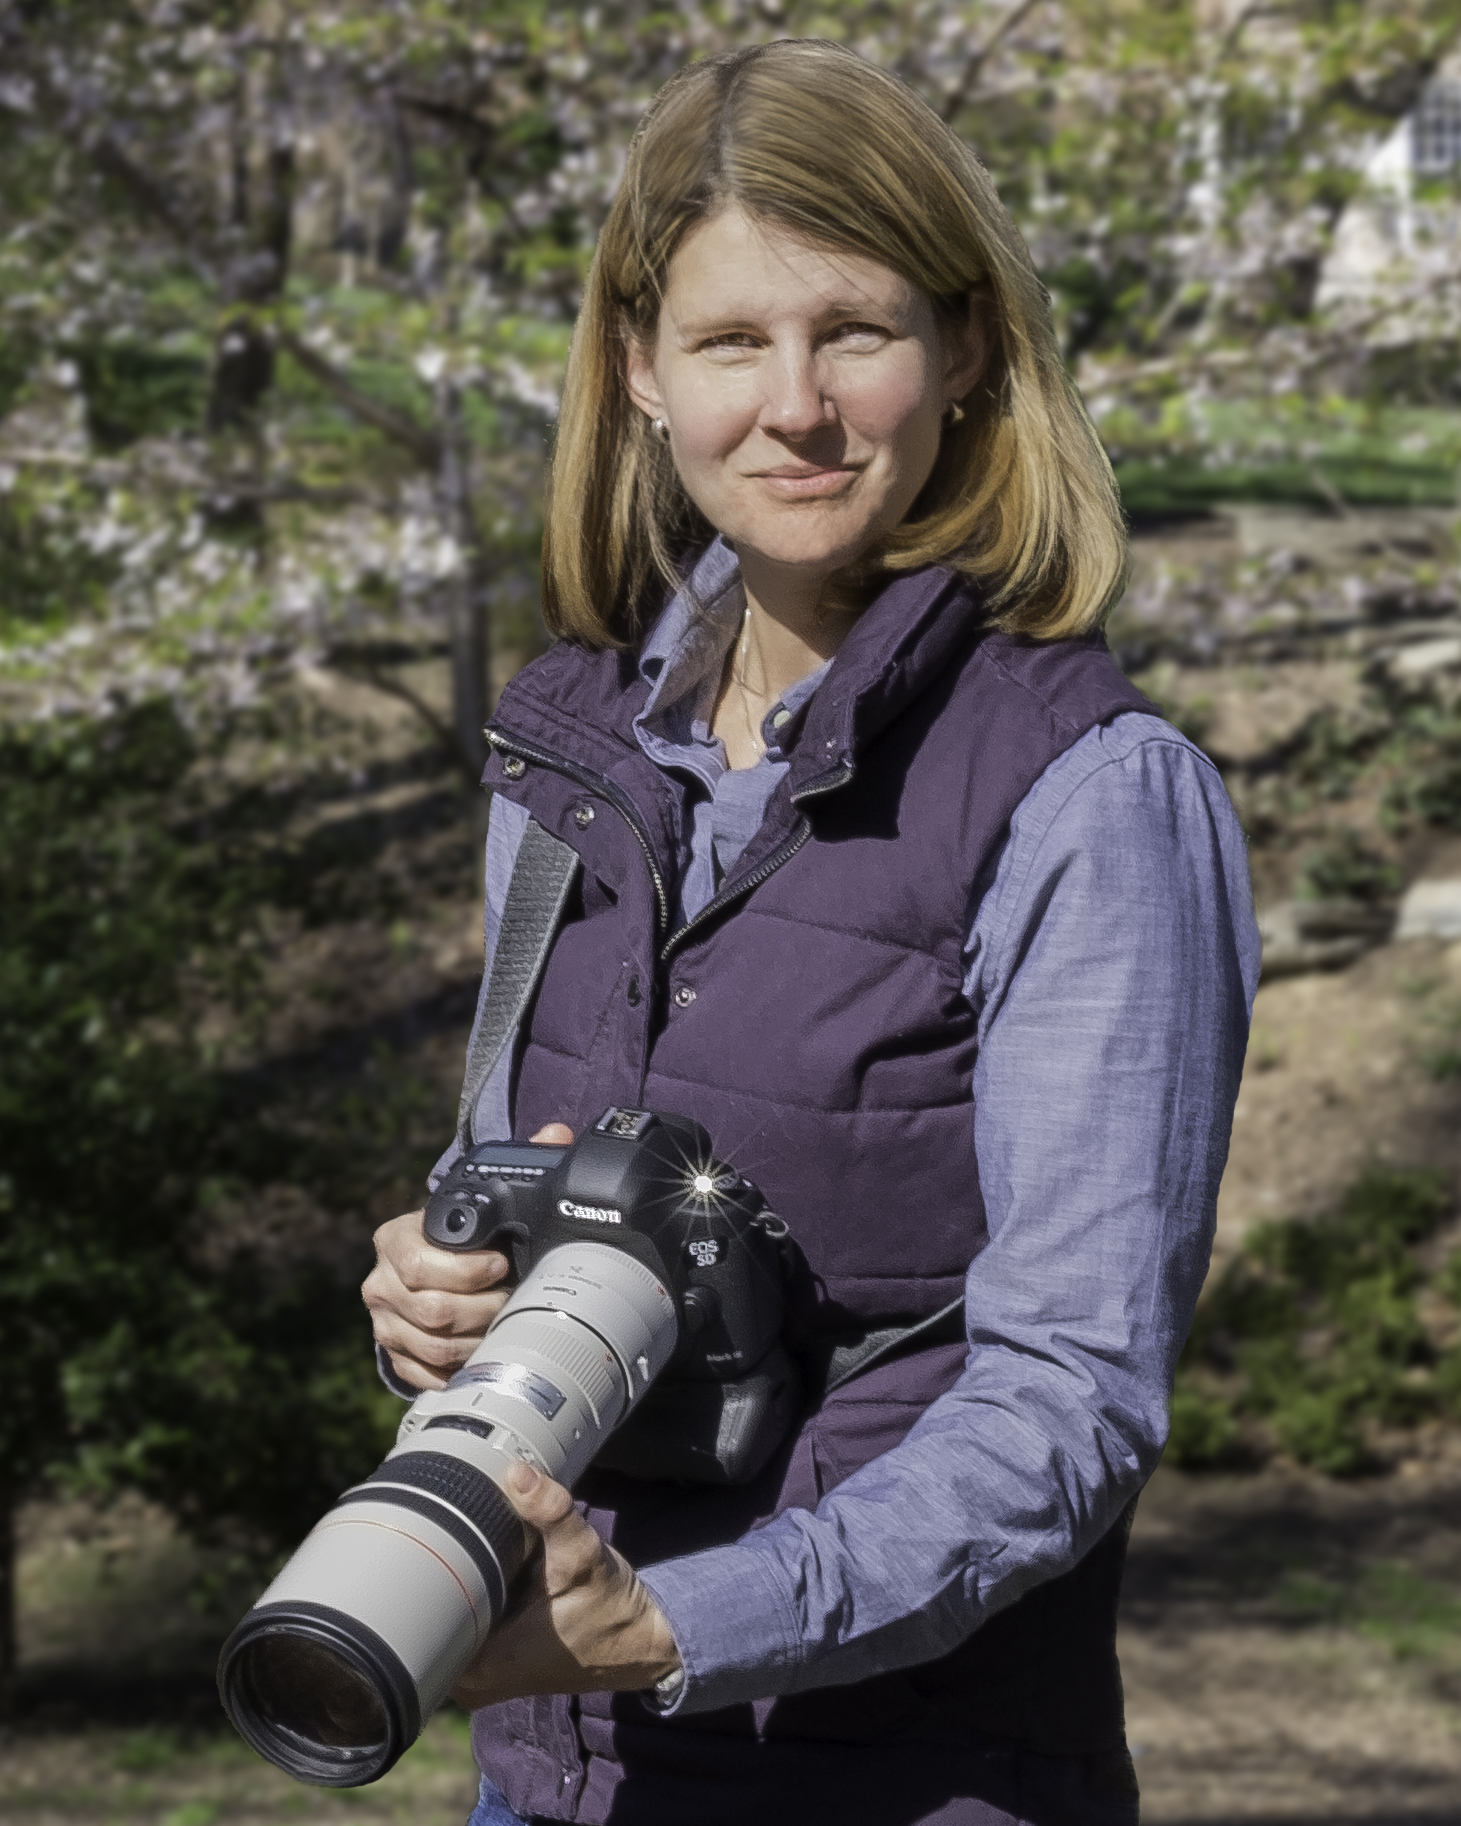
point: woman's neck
(788, 633)
(785, 635)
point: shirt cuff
(389, 1377)
(731, 1613)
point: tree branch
(421, 443)
(959, 94)
(355, 665)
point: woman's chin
(805, 545)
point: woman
(890, 879)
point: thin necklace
(738, 678)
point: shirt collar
(682, 660)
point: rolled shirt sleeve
(1112, 963)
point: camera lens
(319, 1696)
(368, 1627)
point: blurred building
(1396, 254)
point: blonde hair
(811, 136)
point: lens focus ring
(459, 1498)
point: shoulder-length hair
(814, 138)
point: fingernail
(521, 1478)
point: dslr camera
(643, 1333)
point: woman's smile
(795, 482)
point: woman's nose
(795, 404)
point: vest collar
(899, 646)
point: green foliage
(1344, 867)
(1315, 1332)
(134, 391)
(1189, 485)
(1433, 796)
(1415, 1617)
(145, 1751)
(1204, 1433)
(48, 581)
(15, 361)
(155, 1346)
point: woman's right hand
(430, 1307)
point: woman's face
(804, 390)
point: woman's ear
(639, 378)
(968, 343)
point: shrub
(1345, 868)
(1315, 1332)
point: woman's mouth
(805, 483)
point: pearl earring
(660, 429)
(954, 413)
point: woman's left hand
(585, 1624)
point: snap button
(684, 996)
(514, 767)
(781, 719)
(633, 992)
(584, 817)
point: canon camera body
(701, 1227)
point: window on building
(1435, 129)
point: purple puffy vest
(812, 1018)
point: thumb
(554, 1134)
(537, 1499)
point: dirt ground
(1335, 1079)
(1289, 1648)
(1291, 1645)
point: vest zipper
(736, 890)
(596, 783)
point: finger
(554, 1134)
(426, 1269)
(539, 1500)
(402, 1252)
(573, 1555)
(420, 1264)
(445, 1315)
(414, 1375)
(441, 1353)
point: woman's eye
(730, 339)
(859, 335)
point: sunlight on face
(803, 389)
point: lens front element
(318, 1695)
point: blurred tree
(325, 262)
(151, 1346)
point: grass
(158, 1777)
(121, 1619)
(1189, 486)
(1299, 453)
(1417, 1618)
